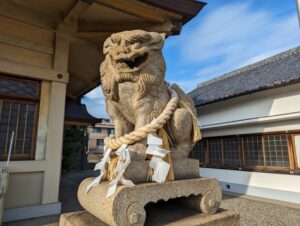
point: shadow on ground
(68, 189)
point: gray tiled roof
(77, 112)
(279, 70)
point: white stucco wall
(280, 187)
(267, 111)
(278, 109)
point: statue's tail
(186, 102)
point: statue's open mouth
(132, 64)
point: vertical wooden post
(263, 149)
(222, 152)
(242, 158)
(55, 123)
(206, 152)
(291, 151)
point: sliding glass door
(296, 142)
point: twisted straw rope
(141, 133)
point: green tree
(74, 137)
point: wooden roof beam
(70, 95)
(27, 15)
(81, 77)
(137, 10)
(70, 21)
(101, 30)
(86, 89)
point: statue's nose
(122, 50)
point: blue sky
(225, 36)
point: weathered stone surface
(132, 78)
(80, 218)
(183, 168)
(126, 206)
(222, 218)
(186, 168)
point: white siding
(267, 185)
(267, 111)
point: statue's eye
(115, 40)
(133, 40)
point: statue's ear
(106, 46)
(163, 36)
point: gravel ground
(255, 213)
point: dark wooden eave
(187, 8)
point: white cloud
(95, 103)
(95, 93)
(235, 35)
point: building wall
(38, 53)
(280, 187)
(267, 111)
(94, 150)
(271, 110)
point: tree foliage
(74, 137)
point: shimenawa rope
(141, 133)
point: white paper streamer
(159, 166)
(156, 150)
(160, 171)
(153, 140)
(100, 166)
(124, 161)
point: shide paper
(123, 162)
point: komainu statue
(132, 77)
(146, 160)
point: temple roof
(279, 70)
(76, 113)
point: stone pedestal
(191, 200)
(126, 206)
(222, 218)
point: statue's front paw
(137, 151)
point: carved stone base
(222, 218)
(126, 206)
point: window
(253, 151)
(100, 142)
(111, 131)
(96, 130)
(19, 87)
(276, 150)
(231, 151)
(214, 151)
(296, 141)
(198, 152)
(18, 112)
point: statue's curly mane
(147, 80)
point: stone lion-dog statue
(132, 77)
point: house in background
(250, 120)
(95, 140)
(50, 52)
